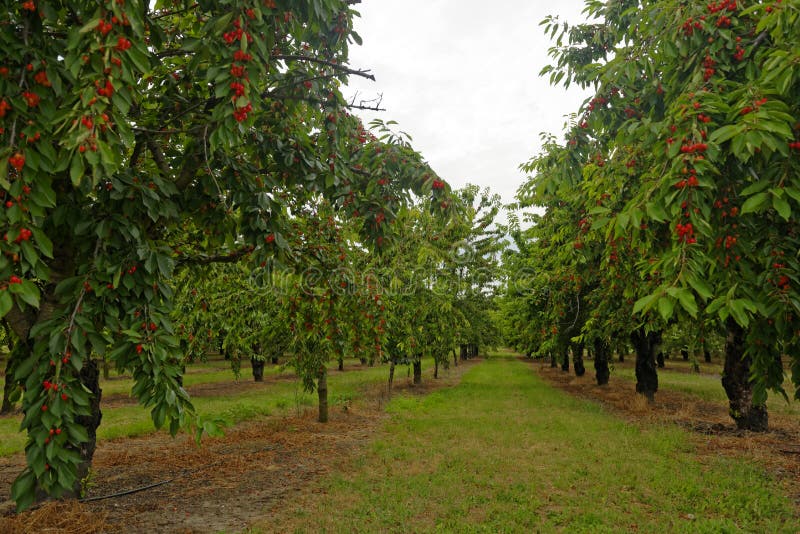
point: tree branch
(230, 257)
(348, 70)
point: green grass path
(504, 452)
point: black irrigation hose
(149, 486)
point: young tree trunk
(463, 351)
(737, 384)
(455, 358)
(553, 361)
(646, 346)
(274, 360)
(417, 372)
(391, 376)
(322, 394)
(341, 363)
(106, 370)
(363, 360)
(660, 359)
(565, 360)
(685, 354)
(90, 378)
(435, 368)
(602, 353)
(621, 356)
(258, 369)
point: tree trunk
(322, 394)
(435, 368)
(363, 360)
(602, 353)
(646, 346)
(90, 378)
(737, 384)
(707, 355)
(577, 360)
(660, 359)
(417, 372)
(565, 360)
(258, 369)
(463, 351)
(553, 361)
(685, 354)
(455, 358)
(341, 363)
(106, 370)
(8, 387)
(621, 356)
(391, 376)
(274, 360)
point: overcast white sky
(462, 78)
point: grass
(280, 397)
(504, 452)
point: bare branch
(337, 66)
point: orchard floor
(487, 448)
(222, 485)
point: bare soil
(713, 431)
(223, 484)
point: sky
(461, 77)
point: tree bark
(565, 360)
(553, 361)
(322, 394)
(660, 359)
(258, 369)
(602, 353)
(8, 387)
(417, 372)
(577, 360)
(737, 384)
(646, 345)
(685, 354)
(435, 368)
(341, 363)
(707, 355)
(455, 358)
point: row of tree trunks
(468, 350)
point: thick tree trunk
(577, 360)
(417, 372)
(106, 370)
(646, 345)
(602, 353)
(258, 369)
(565, 360)
(737, 384)
(322, 394)
(90, 378)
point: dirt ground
(713, 431)
(224, 484)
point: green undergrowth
(277, 398)
(504, 452)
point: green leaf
(686, 298)
(701, 287)
(722, 134)
(6, 302)
(754, 203)
(22, 489)
(666, 307)
(782, 207)
(78, 433)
